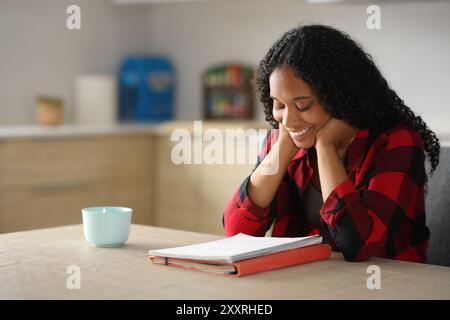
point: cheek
(277, 115)
(319, 118)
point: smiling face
(296, 107)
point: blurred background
(86, 114)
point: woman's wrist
(287, 147)
(265, 180)
(286, 144)
(323, 144)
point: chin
(305, 144)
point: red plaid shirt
(379, 211)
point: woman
(350, 153)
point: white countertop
(73, 130)
(33, 131)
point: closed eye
(303, 109)
(299, 108)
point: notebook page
(238, 247)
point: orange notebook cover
(241, 268)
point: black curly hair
(345, 80)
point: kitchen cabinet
(192, 196)
(45, 182)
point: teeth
(302, 132)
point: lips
(298, 134)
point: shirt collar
(300, 154)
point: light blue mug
(106, 226)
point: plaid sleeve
(241, 214)
(367, 220)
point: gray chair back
(437, 204)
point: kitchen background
(40, 56)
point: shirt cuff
(342, 195)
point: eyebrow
(294, 99)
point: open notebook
(243, 254)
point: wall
(411, 49)
(39, 55)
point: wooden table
(33, 265)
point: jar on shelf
(49, 110)
(228, 93)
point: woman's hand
(286, 142)
(266, 178)
(336, 133)
(331, 144)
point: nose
(291, 118)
